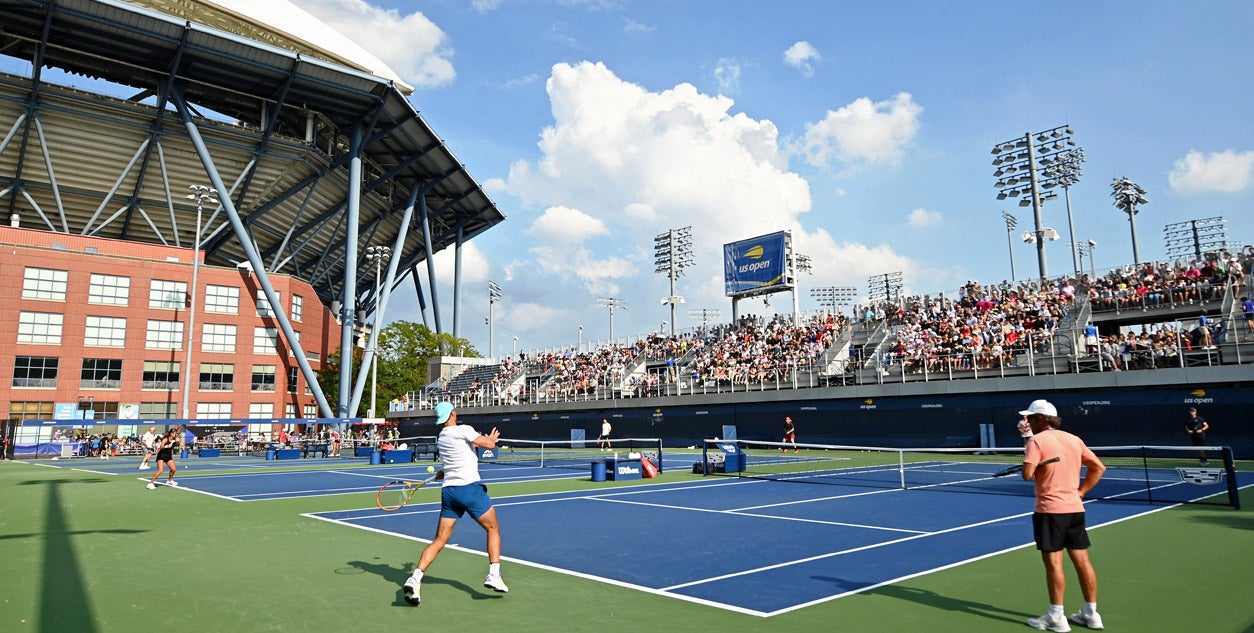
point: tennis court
(243, 537)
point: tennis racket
(1019, 467)
(395, 494)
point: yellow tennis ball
(430, 469)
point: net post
(705, 457)
(901, 467)
(1234, 491)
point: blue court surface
(751, 546)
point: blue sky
(863, 128)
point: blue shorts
(458, 500)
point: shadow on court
(397, 576)
(937, 601)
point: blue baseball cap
(442, 411)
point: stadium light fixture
(672, 253)
(613, 303)
(1128, 195)
(1044, 150)
(202, 195)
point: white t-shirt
(148, 439)
(605, 429)
(457, 453)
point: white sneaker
(1092, 621)
(412, 586)
(173, 483)
(152, 486)
(495, 583)
(1049, 622)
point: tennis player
(463, 492)
(790, 434)
(165, 457)
(604, 440)
(148, 440)
(1058, 520)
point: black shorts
(165, 456)
(1199, 439)
(1055, 532)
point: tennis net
(568, 453)
(1153, 474)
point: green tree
(405, 348)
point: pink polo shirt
(1057, 484)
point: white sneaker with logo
(1090, 620)
(495, 583)
(412, 587)
(1050, 622)
(151, 486)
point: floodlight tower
(203, 195)
(704, 314)
(1011, 223)
(494, 297)
(1195, 237)
(1066, 171)
(1019, 175)
(613, 303)
(672, 253)
(1128, 195)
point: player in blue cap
(463, 491)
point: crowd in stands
(985, 327)
(1154, 284)
(981, 328)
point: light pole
(1127, 195)
(1195, 237)
(515, 352)
(1066, 170)
(1011, 223)
(886, 287)
(1087, 249)
(1019, 174)
(672, 253)
(376, 254)
(581, 338)
(494, 297)
(613, 303)
(705, 314)
(202, 195)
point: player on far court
(463, 492)
(1058, 517)
(165, 458)
(603, 442)
(1197, 426)
(790, 435)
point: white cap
(1042, 407)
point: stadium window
(109, 290)
(168, 295)
(42, 328)
(158, 410)
(222, 299)
(261, 410)
(298, 308)
(263, 304)
(311, 411)
(104, 332)
(217, 376)
(289, 411)
(31, 410)
(101, 373)
(44, 283)
(213, 410)
(35, 371)
(218, 337)
(293, 374)
(159, 374)
(265, 340)
(263, 377)
(164, 335)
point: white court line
(760, 516)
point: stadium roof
(277, 122)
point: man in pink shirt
(1058, 520)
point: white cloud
(864, 132)
(727, 75)
(563, 225)
(522, 81)
(475, 265)
(922, 217)
(639, 162)
(1223, 171)
(632, 26)
(412, 45)
(485, 6)
(802, 56)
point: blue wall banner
(756, 264)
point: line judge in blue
(463, 492)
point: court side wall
(1149, 416)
